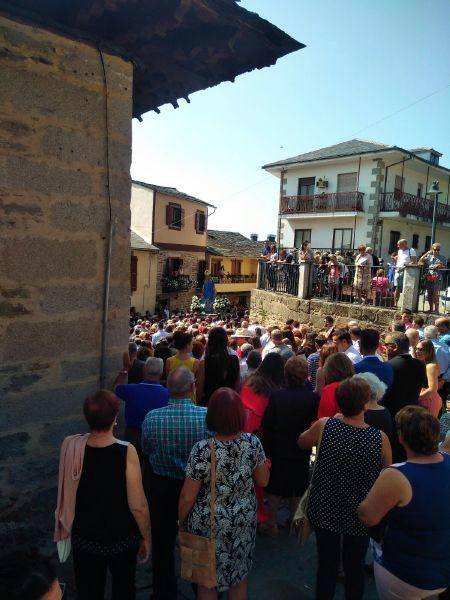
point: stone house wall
(178, 300)
(270, 308)
(54, 228)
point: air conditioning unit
(322, 183)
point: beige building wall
(187, 235)
(144, 298)
(53, 245)
(142, 211)
(249, 266)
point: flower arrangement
(195, 304)
(221, 304)
(177, 283)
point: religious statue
(208, 293)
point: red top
(328, 406)
(255, 406)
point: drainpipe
(282, 172)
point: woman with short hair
(111, 522)
(240, 462)
(349, 459)
(182, 342)
(376, 415)
(429, 397)
(413, 500)
(363, 274)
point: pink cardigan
(70, 468)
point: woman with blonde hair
(363, 274)
(429, 397)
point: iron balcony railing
(408, 204)
(320, 203)
(250, 278)
(279, 277)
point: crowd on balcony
(356, 276)
(253, 400)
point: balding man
(168, 435)
(141, 398)
(443, 326)
(413, 337)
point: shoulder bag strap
(213, 486)
(314, 468)
(318, 448)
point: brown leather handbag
(198, 553)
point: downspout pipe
(106, 304)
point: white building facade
(362, 192)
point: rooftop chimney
(271, 238)
(254, 237)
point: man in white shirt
(344, 344)
(405, 256)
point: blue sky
(364, 60)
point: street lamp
(434, 191)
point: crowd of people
(360, 275)
(371, 403)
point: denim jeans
(354, 550)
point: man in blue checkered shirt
(168, 435)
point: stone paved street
(283, 570)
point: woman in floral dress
(240, 461)
(363, 274)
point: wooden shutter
(181, 223)
(197, 222)
(133, 273)
(346, 182)
(168, 215)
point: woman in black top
(376, 415)
(289, 413)
(218, 369)
(348, 461)
(111, 527)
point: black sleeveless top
(348, 463)
(103, 522)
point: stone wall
(54, 228)
(271, 308)
(178, 300)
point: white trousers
(390, 587)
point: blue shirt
(140, 398)
(416, 546)
(445, 338)
(169, 433)
(442, 357)
(372, 364)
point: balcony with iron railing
(323, 203)
(408, 205)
